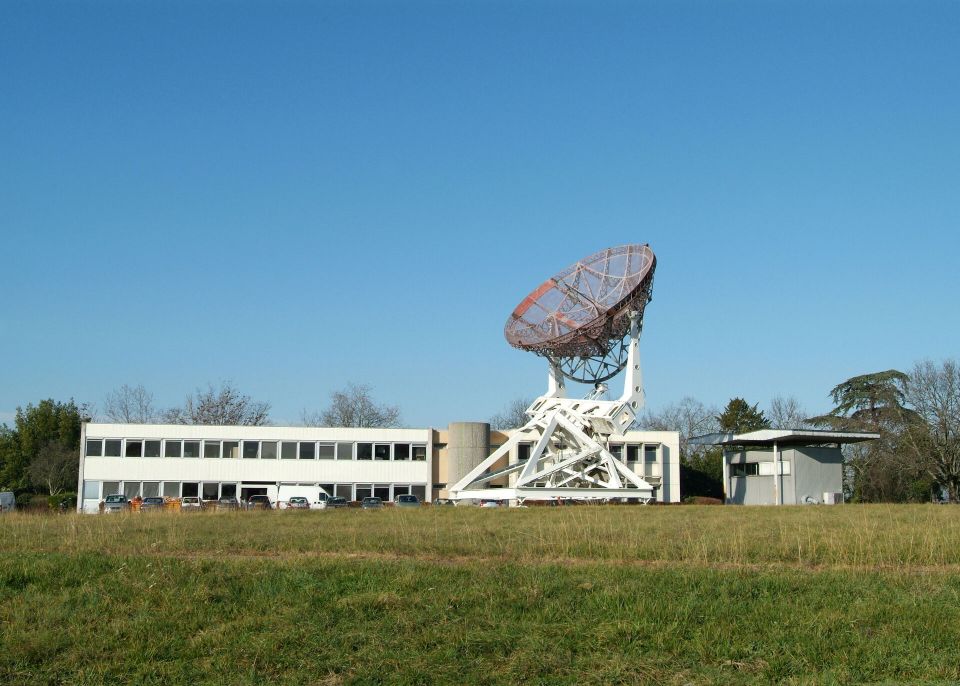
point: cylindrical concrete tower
(468, 444)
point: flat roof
(784, 436)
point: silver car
(116, 503)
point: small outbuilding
(783, 466)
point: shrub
(62, 499)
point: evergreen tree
(740, 417)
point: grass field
(573, 595)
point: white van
(315, 495)
(7, 502)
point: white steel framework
(570, 457)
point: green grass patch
(488, 597)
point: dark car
(228, 504)
(371, 503)
(152, 504)
(116, 503)
(407, 501)
(259, 502)
(336, 503)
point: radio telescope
(586, 322)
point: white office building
(212, 462)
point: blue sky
(293, 196)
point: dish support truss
(570, 456)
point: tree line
(40, 453)
(916, 414)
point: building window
(325, 451)
(131, 489)
(111, 448)
(523, 451)
(151, 448)
(211, 450)
(172, 448)
(111, 488)
(268, 450)
(151, 489)
(133, 449)
(191, 448)
(744, 469)
(210, 491)
(191, 489)
(381, 451)
(633, 453)
(364, 452)
(419, 491)
(617, 451)
(382, 491)
(231, 450)
(308, 451)
(94, 448)
(171, 489)
(288, 450)
(343, 491)
(649, 453)
(250, 450)
(420, 453)
(91, 490)
(401, 451)
(344, 451)
(228, 490)
(364, 491)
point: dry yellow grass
(848, 536)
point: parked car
(8, 503)
(321, 502)
(335, 503)
(151, 504)
(490, 503)
(371, 503)
(228, 504)
(444, 501)
(298, 502)
(191, 504)
(259, 502)
(116, 502)
(407, 501)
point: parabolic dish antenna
(580, 318)
(586, 321)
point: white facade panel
(197, 469)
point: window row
(253, 450)
(758, 468)
(213, 490)
(649, 451)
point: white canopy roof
(784, 436)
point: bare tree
(55, 468)
(787, 413)
(933, 393)
(130, 405)
(690, 417)
(220, 406)
(353, 406)
(513, 416)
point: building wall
(807, 471)
(391, 467)
(819, 470)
